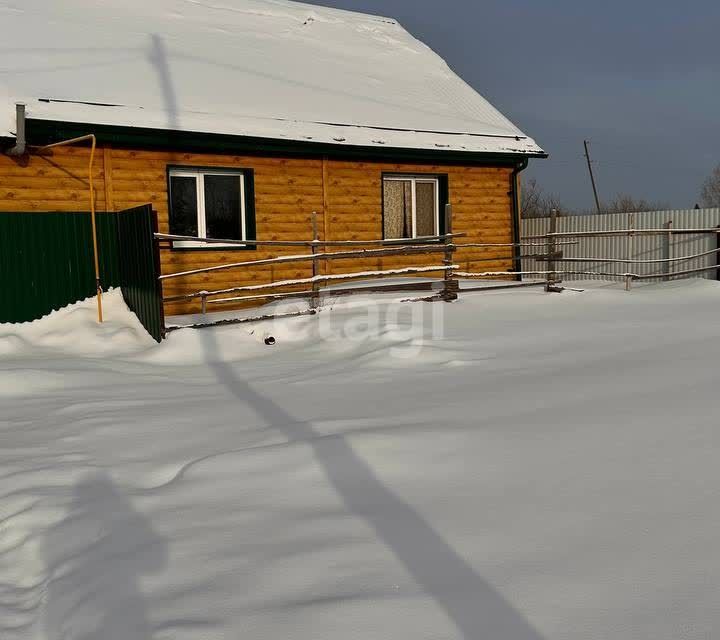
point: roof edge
(41, 132)
(337, 10)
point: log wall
(482, 209)
(346, 195)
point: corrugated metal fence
(641, 247)
(139, 268)
(46, 263)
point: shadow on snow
(474, 606)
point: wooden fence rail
(633, 260)
(312, 280)
(426, 245)
(620, 232)
(313, 257)
(446, 244)
(553, 256)
(307, 243)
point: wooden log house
(240, 124)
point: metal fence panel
(642, 247)
(46, 261)
(139, 263)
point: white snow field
(547, 468)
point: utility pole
(592, 177)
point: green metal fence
(46, 263)
(139, 268)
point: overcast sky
(640, 79)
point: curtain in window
(424, 208)
(398, 209)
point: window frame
(247, 205)
(441, 190)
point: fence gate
(140, 267)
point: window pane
(183, 206)
(425, 208)
(397, 214)
(222, 207)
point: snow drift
(546, 467)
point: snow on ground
(544, 467)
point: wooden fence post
(315, 298)
(667, 249)
(717, 254)
(450, 284)
(630, 248)
(551, 276)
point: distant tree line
(537, 203)
(710, 192)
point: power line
(592, 177)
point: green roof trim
(41, 132)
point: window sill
(185, 245)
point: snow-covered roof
(263, 68)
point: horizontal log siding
(346, 195)
(56, 182)
(482, 209)
(287, 191)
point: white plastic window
(411, 207)
(207, 204)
